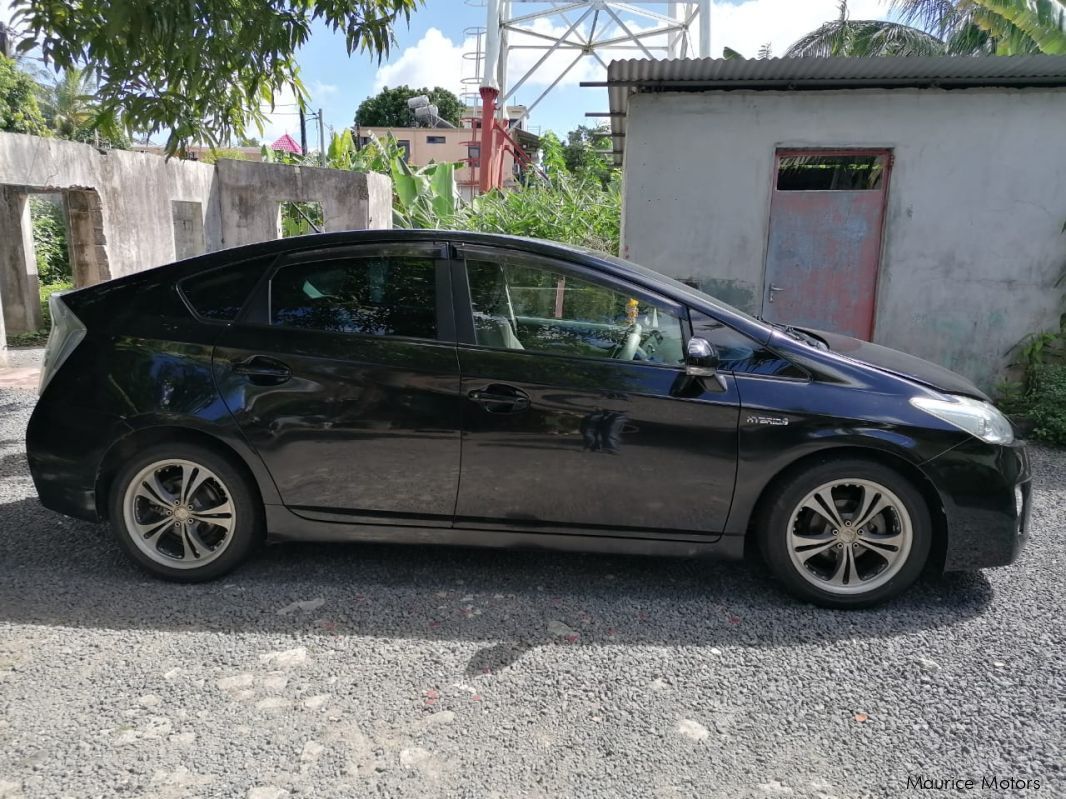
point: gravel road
(357, 671)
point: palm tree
(847, 37)
(937, 27)
(68, 103)
(1008, 27)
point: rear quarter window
(220, 294)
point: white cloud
(319, 90)
(436, 60)
(284, 117)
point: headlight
(980, 419)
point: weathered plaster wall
(122, 216)
(974, 241)
(251, 194)
(135, 191)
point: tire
(830, 556)
(188, 539)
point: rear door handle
(262, 370)
(500, 399)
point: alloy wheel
(179, 513)
(850, 536)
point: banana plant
(422, 197)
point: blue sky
(429, 52)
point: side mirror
(701, 358)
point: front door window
(524, 306)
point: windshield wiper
(797, 335)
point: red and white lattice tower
(597, 29)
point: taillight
(66, 334)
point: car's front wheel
(846, 533)
(183, 512)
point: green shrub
(1047, 402)
(568, 210)
(37, 338)
(50, 241)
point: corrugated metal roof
(626, 78)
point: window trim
(782, 378)
(464, 313)
(256, 312)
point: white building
(916, 202)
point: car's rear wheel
(846, 533)
(184, 512)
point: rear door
(577, 411)
(342, 373)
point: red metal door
(826, 219)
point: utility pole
(321, 138)
(303, 132)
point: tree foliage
(19, 110)
(50, 241)
(388, 108)
(847, 37)
(198, 68)
(937, 27)
(1006, 27)
(70, 109)
(587, 154)
(552, 157)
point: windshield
(681, 288)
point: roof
(629, 77)
(287, 143)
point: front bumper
(986, 491)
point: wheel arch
(139, 439)
(905, 468)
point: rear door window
(220, 294)
(378, 296)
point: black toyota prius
(436, 387)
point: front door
(342, 374)
(826, 219)
(577, 413)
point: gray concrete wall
(976, 206)
(252, 193)
(134, 191)
(130, 211)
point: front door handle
(262, 370)
(773, 290)
(500, 399)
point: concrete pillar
(19, 290)
(85, 224)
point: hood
(900, 363)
